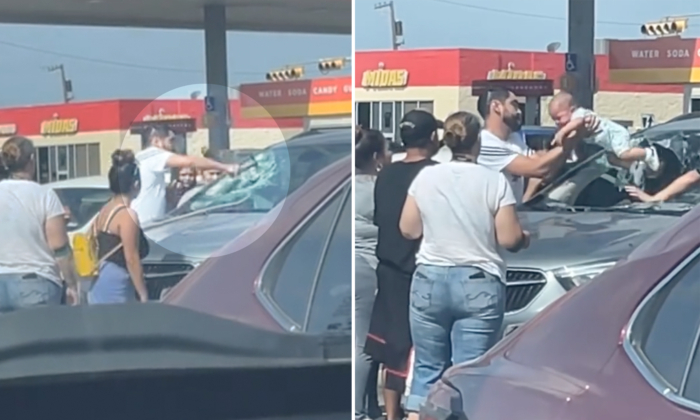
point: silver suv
(583, 223)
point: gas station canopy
(215, 17)
(301, 16)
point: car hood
(195, 238)
(568, 239)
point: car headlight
(570, 277)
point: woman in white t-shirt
(465, 214)
(35, 254)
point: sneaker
(652, 160)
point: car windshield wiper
(544, 205)
(668, 208)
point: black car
(154, 361)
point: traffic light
(289, 73)
(665, 28)
(331, 64)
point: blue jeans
(456, 315)
(18, 291)
(113, 285)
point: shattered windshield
(594, 183)
(266, 178)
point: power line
(97, 60)
(525, 14)
(131, 65)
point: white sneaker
(652, 160)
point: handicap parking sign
(209, 103)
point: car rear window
(82, 203)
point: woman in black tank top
(120, 240)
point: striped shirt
(497, 154)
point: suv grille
(522, 288)
(161, 277)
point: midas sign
(516, 75)
(381, 78)
(58, 127)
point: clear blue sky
(139, 63)
(505, 24)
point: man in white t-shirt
(503, 149)
(155, 162)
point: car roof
(682, 123)
(319, 136)
(60, 341)
(682, 117)
(83, 182)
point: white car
(82, 198)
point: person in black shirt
(389, 338)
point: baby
(612, 137)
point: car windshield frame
(558, 181)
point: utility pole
(396, 25)
(581, 49)
(66, 84)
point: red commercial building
(389, 83)
(77, 139)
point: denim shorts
(456, 315)
(18, 291)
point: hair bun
(122, 158)
(461, 131)
(11, 154)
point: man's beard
(514, 122)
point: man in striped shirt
(504, 149)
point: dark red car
(292, 271)
(624, 347)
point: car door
(307, 284)
(664, 337)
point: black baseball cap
(417, 127)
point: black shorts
(389, 338)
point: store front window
(58, 163)
(695, 105)
(386, 116)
